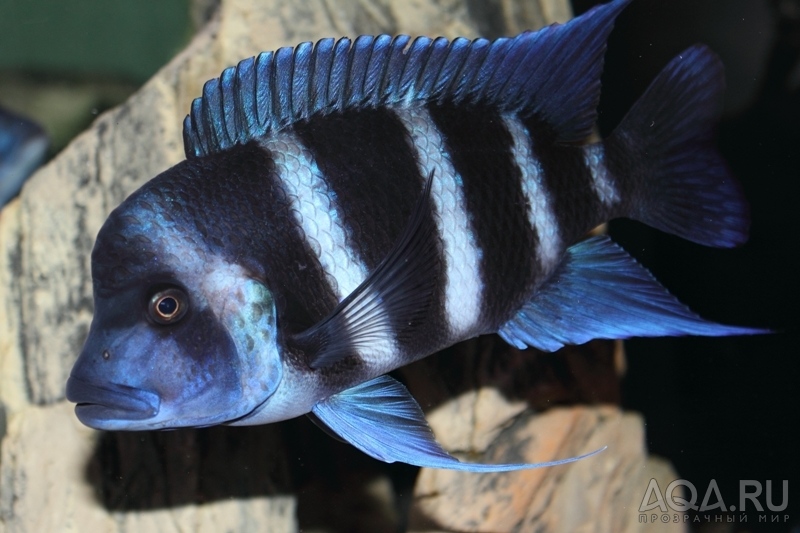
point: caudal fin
(663, 154)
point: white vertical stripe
(314, 209)
(464, 287)
(603, 184)
(540, 213)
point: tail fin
(663, 154)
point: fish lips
(111, 404)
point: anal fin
(601, 292)
(383, 420)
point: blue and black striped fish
(349, 207)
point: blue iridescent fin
(383, 420)
(680, 183)
(601, 292)
(393, 299)
(553, 73)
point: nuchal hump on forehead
(350, 206)
(184, 220)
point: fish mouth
(100, 405)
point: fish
(23, 146)
(348, 207)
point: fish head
(180, 336)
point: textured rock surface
(601, 493)
(56, 475)
(44, 486)
(480, 398)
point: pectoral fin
(381, 419)
(601, 292)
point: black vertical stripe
(481, 150)
(568, 182)
(370, 165)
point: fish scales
(317, 214)
(480, 147)
(539, 208)
(366, 157)
(575, 202)
(349, 207)
(462, 286)
(603, 182)
(321, 217)
(370, 167)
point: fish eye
(168, 306)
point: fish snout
(110, 405)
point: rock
(57, 475)
(45, 489)
(478, 398)
(600, 493)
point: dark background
(723, 409)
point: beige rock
(57, 475)
(479, 397)
(597, 494)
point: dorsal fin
(553, 73)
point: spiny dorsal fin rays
(553, 73)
